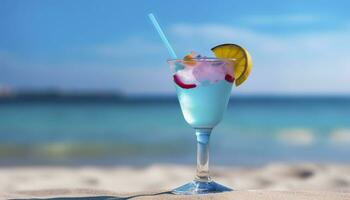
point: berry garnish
(229, 78)
(178, 81)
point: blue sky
(298, 47)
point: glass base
(198, 187)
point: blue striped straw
(162, 36)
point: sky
(298, 47)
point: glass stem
(203, 136)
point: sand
(274, 181)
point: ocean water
(254, 131)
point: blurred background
(86, 82)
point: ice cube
(186, 75)
(210, 73)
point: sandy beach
(273, 181)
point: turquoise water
(254, 130)
(204, 106)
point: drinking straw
(162, 36)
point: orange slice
(243, 61)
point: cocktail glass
(203, 88)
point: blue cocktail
(203, 88)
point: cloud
(5, 57)
(7, 72)
(298, 63)
(135, 79)
(129, 47)
(313, 62)
(286, 19)
(139, 76)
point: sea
(138, 131)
